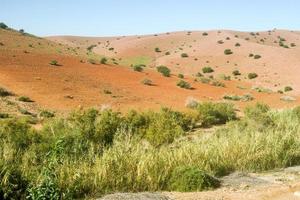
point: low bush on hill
(183, 84)
(165, 71)
(252, 75)
(228, 52)
(207, 70)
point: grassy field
(92, 153)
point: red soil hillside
(278, 66)
(25, 70)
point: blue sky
(130, 17)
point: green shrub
(90, 48)
(183, 84)
(204, 80)
(107, 92)
(218, 84)
(25, 99)
(4, 92)
(167, 125)
(46, 114)
(224, 77)
(259, 113)
(167, 53)
(236, 73)
(103, 61)
(165, 71)
(157, 50)
(215, 113)
(191, 179)
(252, 75)
(4, 115)
(288, 88)
(180, 76)
(3, 26)
(147, 82)
(205, 34)
(138, 68)
(54, 62)
(237, 44)
(251, 55)
(228, 52)
(257, 56)
(92, 61)
(184, 55)
(207, 70)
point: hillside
(277, 67)
(79, 79)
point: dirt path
(275, 185)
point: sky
(134, 17)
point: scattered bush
(46, 114)
(3, 26)
(191, 179)
(157, 50)
(165, 71)
(138, 68)
(218, 84)
(246, 97)
(288, 88)
(236, 73)
(90, 48)
(183, 84)
(180, 76)
(220, 42)
(215, 113)
(228, 52)
(237, 44)
(207, 70)
(252, 75)
(92, 61)
(205, 34)
(251, 55)
(54, 62)
(147, 82)
(25, 99)
(191, 102)
(184, 55)
(257, 57)
(204, 80)
(103, 61)
(4, 92)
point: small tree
(165, 71)
(184, 55)
(183, 84)
(103, 61)
(228, 52)
(252, 75)
(3, 26)
(207, 70)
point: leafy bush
(224, 77)
(246, 97)
(147, 82)
(251, 55)
(252, 75)
(54, 62)
(157, 50)
(191, 179)
(237, 44)
(25, 99)
(138, 68)
(215, 113)
(167, 125)
(180, 76)
(46, 114)
(218, 84)
(228, 52)
(90, 48)
(236, 73)
(165, 71)
(184, 55)
(205, 34)
(92, 61)
(103, 61)
(288, 88)
(183, 84)
(257, 56)
(3, 26)
(4, 92)
(207, 70)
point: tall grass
(92, 153)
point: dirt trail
(274, 185)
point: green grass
(138, 60)
(91, 153)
